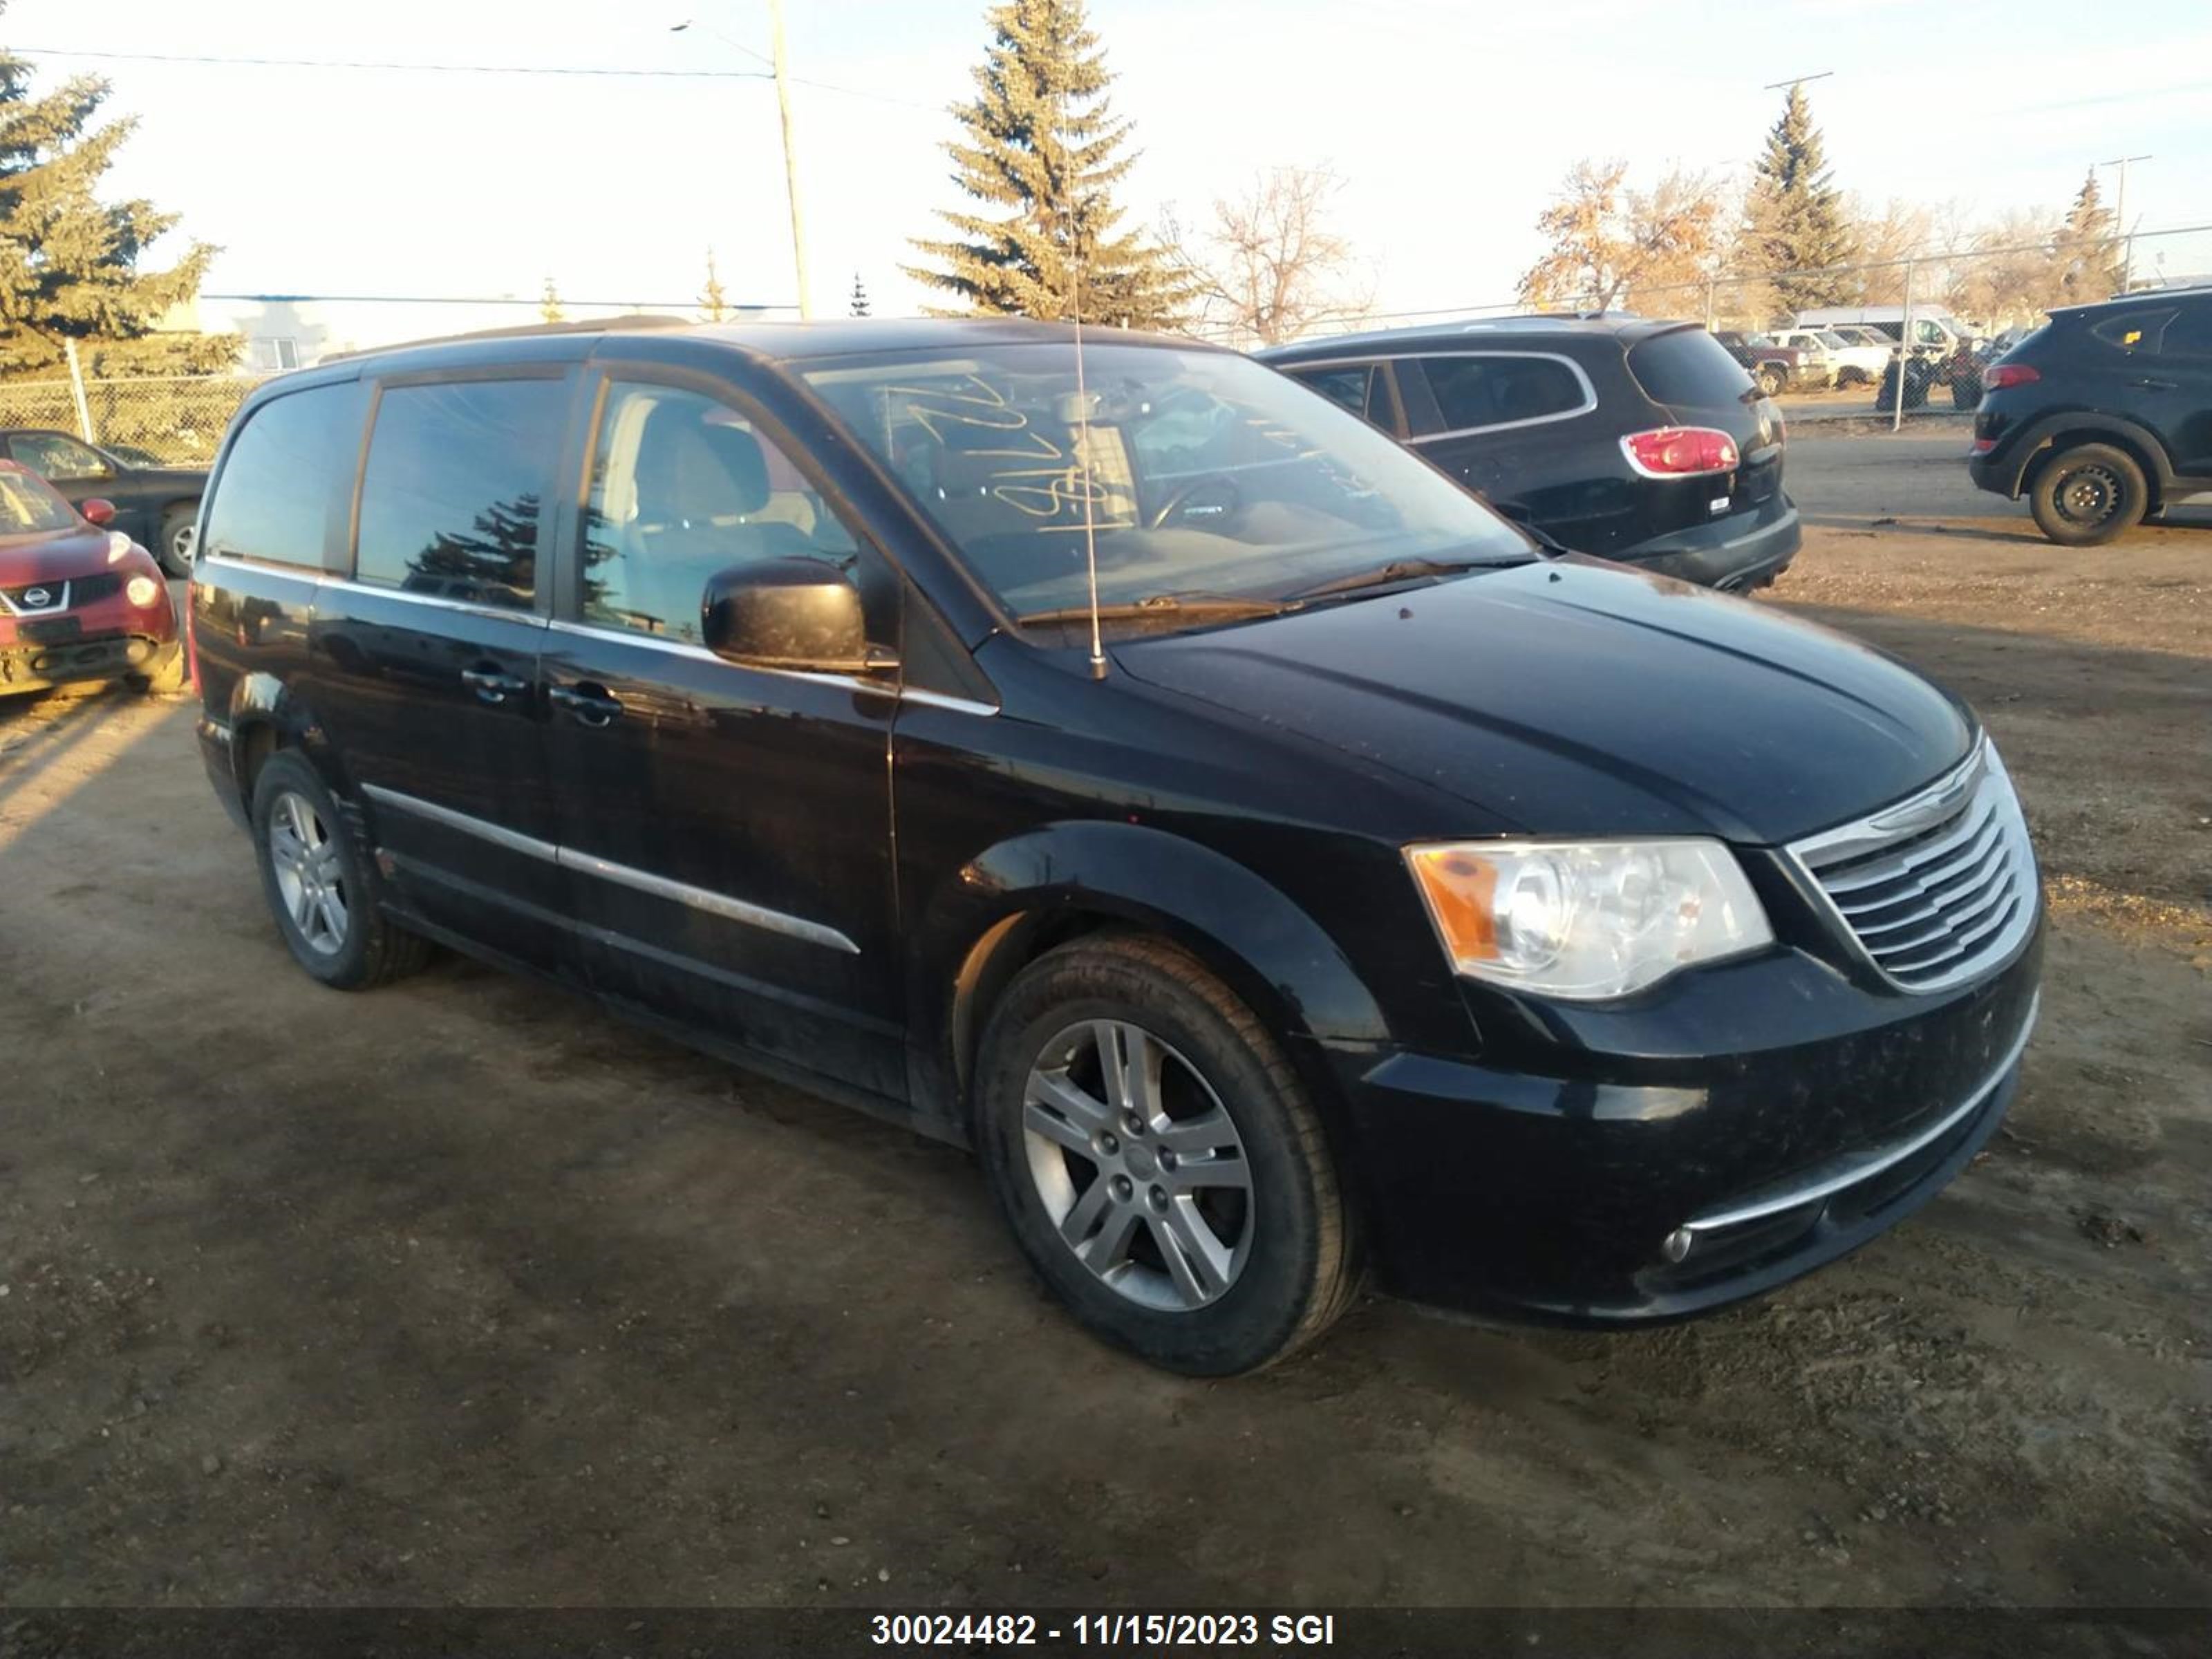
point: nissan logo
(36, 597)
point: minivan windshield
(29, 504)
(1216, 488)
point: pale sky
(1450, 122)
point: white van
(1934, 331)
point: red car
(77, 601)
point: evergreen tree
(859, 306)
(1794, 217)
(2085, 252)
(1040, 149)
(549, 304)
(714, 303)
(69, 263)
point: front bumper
(39, 667)
(1742, 551)
(1767, 1118)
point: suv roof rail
(630, 322)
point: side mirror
(98, 513)
(789, 613)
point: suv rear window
(1688, 368)
(291, 460)
(450, 497)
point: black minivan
(1124, 762)
(1639, 440)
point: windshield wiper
(1162, 605)
(1401, 570)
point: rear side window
(291, 465)
(1688, 368)
(2190, 333)
(1501, 390)
(450, 498)
(2134, 330)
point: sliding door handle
(586, 704)
(492, 684)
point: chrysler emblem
(36, 598)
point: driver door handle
(2153, 386)
(492, 685)
(586, 703)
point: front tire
(166, 678)
(1772, 380)
(326, 897)
(1159, 1161)
(2089, 494)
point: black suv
(1639, 440)
(2103, 417)
(1138, 769)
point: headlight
(1586, 920)
(141, 591)
(118, 546)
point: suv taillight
(1680, 451)
(2001, 375)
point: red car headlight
(143, 592)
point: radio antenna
(1083, 410)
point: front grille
(48, 598)
(1938, 887)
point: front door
(725, 829)
(424, 660)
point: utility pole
(1796, 81)
(790, 162)
(790, 159)
(2120, 216)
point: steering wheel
(1213, 498)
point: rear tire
(1965, 391)
(1772, 380)
(325, 894)
(2089, 494)
(1217, 1258)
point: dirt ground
(461, 1291)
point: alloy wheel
(1138, 1165)
(310, 879)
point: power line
(368, 64)
(211, 60)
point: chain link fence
(173, 422)
(1841, 340)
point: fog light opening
(1677, 1244)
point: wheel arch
(264, 715)
(2055, 432)
(1033, 893)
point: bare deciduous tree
(1270, 267)
(1610, 244)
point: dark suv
(1138, 769)
(1639, 440)
(2102, 418)
(154, 505)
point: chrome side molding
(644, 881)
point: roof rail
(632, 322)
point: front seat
(697, 485)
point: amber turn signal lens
(1461, 890)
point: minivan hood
(1576, 697)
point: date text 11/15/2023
(1132, 1629)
